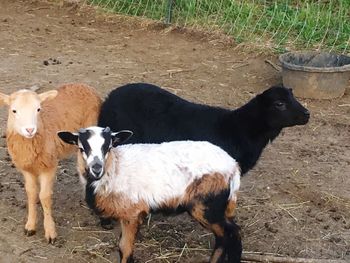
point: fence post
(169, 11)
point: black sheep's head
(281, 108)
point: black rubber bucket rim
(291, 66)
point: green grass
(310, 24)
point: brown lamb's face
(24, 110)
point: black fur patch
(106, 145)
(215, 206)
(90, 196)
(83, 138)
(234, 242)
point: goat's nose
(96, 168)
(30, 130)
(307, 113)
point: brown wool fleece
(75, 106)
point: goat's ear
(48, 95)
(68, 137)
(120, 137)
(4, 99)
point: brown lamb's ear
(48, 95)
(4, 99)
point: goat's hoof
(51, 240)
(51, 237)
(29, 233)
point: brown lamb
(32, 126)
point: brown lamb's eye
(38, 109)
(14, 111)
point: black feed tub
(315, 75)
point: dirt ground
(295, 202)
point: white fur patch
(95, 141)
(156, 173)
(234, 185)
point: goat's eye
(280, 105)
(38, 109)
(14, 111)
(81, 150)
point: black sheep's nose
(307, 113)
(96, 168)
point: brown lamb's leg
(46, 180)
(126, 244)
(31, 186)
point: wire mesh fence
(308, 24)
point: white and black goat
(130, 181)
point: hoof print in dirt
(51, 61)
(29, 233)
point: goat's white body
(156, 173)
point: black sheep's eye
(38, 109)
(14, 111)
(280, 105)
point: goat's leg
(198, 212)
(216, 214)
(46, 180)
(219, 252)
(232, 231)
(234, 242)
(230, 210)
(227, 242)
(31, 186)
(126, 243)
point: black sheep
(156, 115)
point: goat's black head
(281, 109)
(94, 144)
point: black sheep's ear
(120, 137)
(68, 137)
